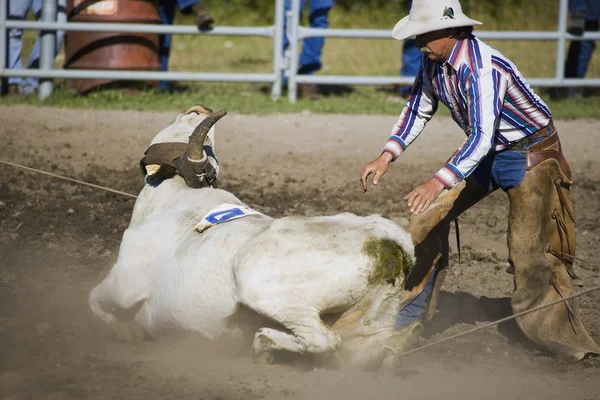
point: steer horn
(195, 152)
(193, 166)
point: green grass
(255, 99)
(341, 57)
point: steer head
(186, 147)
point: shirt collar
(453, 60)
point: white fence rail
(282, 63)
(48, 26)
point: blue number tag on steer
(224, 213)
(223, 216)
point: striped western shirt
(487, 97)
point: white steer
(293, 270)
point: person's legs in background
(30, 85)
(312, 48)
(286, 41)
(202, 18)
(584, 17)
(166, 12)
(17, 10)
(580, 53)
(411, 61)
(578, 10)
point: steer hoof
(128, 332)
(390, 363)
(591, 360)
(264, 358)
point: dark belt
(547, 148)
(545, 131)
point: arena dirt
(58, 240)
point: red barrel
(107, 50)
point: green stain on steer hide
(389, 260)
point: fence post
(3, 44)
(47, 47)
(278, 49)
(563, 10)
(293, 22)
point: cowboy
(511, 144)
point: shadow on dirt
(464, 308)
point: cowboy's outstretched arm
(421, 106)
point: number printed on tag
(224, 215)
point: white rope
(68, 179)
(519, 314)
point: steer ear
(198, 108)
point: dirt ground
(58, 240)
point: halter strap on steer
(162, 154)
(196, 174)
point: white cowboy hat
(431, 15)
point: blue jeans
(411, 60)
(312, 48)
(590, 8)
(17, 10)
(498, 170)
(413, 312)
(166, 11)
(580, 51)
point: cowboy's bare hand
(423, 195)
(378, 166)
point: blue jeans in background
(580, 52)
(312, 48)
(166, 11)
(411, 61)
(17, 10)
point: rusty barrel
(108, 50)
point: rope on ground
(401, 354)
(66, 178)
(519, 314)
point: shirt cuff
(449, 176)
(395, 146)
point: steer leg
(308, 334)
(266, 340)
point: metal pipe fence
(47, 47)
(561, 36)
(48, 30)
(283, 62)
